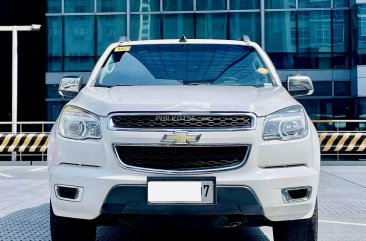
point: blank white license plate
(180, 192)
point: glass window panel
(54, 63)
(54, 39)
(361, 59)
(244, 4)
(280, 4)
(54, 109)
(314, 61)
(314, 4)
(211, 5)
(145, 26)
(341, 61)
(111, 6)
(280, 32)
(79, 63)
(340, 3)
(314, 31)
(79, 42)
(344, 109)
(54, 32)
(283, 60)
(361, 109)
(109, 29)
(175, 25)
(211, 26)
(342, 88)
(318, 109)
(145, 5)
(328, 109)
(245, 24)
(79, 6)
(340, 31)
(361, 33)
(52, 91)
(178, 5)
(54, 6)
(323, 88)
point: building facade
(325, 39)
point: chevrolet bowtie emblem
(181, 138)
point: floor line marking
(38, 169)
(5, 175)
(344, 223)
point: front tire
(297, 230)
(71, 229)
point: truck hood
(260, 101)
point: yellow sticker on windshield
(122, 49)
(263, 71)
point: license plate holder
(181, 190)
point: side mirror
(299, 85)
(70, 86)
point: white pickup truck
(184, 129)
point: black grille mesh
(182, 121)
(182, 158)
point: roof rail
(123, 39)
(245, 38)
(183, 39)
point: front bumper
(270, 167)
(133, 200)
(254, 193)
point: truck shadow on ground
(242, 234)
(33, 225)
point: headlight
(76, 123)
(287, 124)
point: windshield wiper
(196, 83)
(110, 86)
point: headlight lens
(79, 124)
(287, 124)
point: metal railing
(28, 144)
(27, 126)
(343, 139)
(340, 125)
(337, 138)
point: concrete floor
(24, 210)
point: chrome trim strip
(288, 199)
(172, 172)
(252, 115)
(79, 194)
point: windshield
(178, 64)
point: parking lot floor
(24, 210)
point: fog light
(297, 194)
(69, 193)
